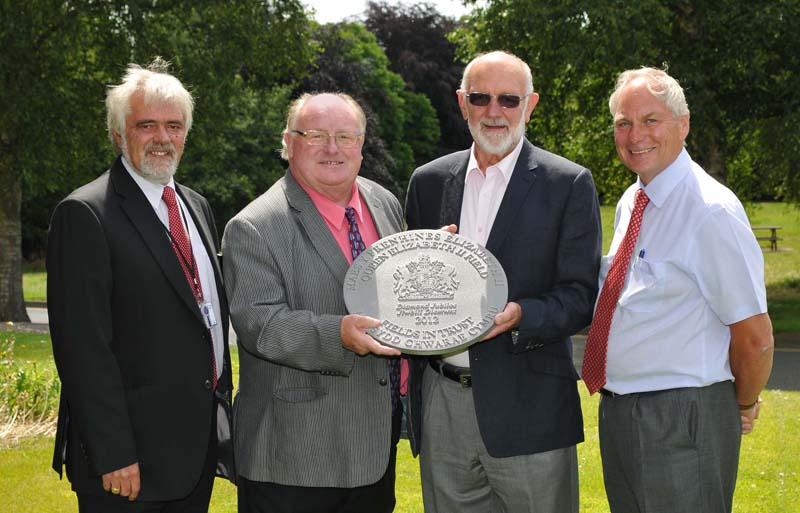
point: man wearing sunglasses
(318, 416)
(505, 439)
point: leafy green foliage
(239, 59)
(237, 160)
(414, 38)
(29, 390)
(737, 63)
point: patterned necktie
(594, 359)
(183, 250)
(357, 246)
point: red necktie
(183, 250)
(594, 358)
(357, 246)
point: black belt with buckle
(608, 393)
(461, 375)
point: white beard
(496, 144)
(157, 172)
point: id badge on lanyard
(207, 311)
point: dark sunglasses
(507, 101)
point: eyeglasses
(322, 138)
(507, 101)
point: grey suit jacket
(308, 411)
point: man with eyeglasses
(316, 423)
(505, 439)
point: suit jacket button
(207, 384)
(382, 382)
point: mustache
(494, 122)
(160, 147)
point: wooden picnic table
(772, 237)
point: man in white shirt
(682, 313)
(497, 426)
(138, 317)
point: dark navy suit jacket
(547, 237)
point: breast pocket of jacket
(646, 286)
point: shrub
(29, 393)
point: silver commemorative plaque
(434, 292)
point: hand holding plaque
(434, 291)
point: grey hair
(662, 86)
(522, 64)
(157, 85)
(296, 106)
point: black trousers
(265, 497)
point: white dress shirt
(483, 194)
(696, 269)
(153, 192)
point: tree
(54, 58)
(58, 57)
(735, 60)
(415, 41)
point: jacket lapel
(450, 212)
(522, 179)
(317, 230)
(379, 217)
(141, 215)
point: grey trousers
(672, 450)
(459, 475)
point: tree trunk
(715, 163)
(12, 303)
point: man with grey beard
(138, 317)
(497, 425)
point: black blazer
(547, 237)
(132, 350)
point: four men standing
(139, 317)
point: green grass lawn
(769, 472)
(782, 267)
(31, 347)
(34, 281)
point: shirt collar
(152, 191)
(505, 166)
(660, 187)
(333, 213)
